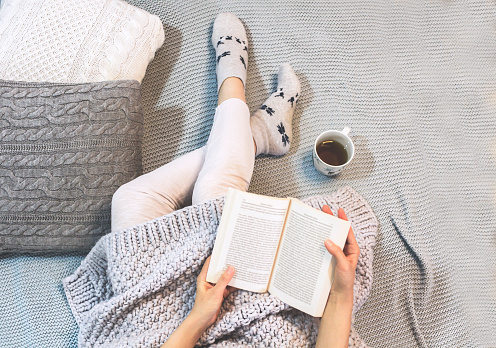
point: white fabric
(230, 154)
(206, 173)
(76, 41)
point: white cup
(340, 137)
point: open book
(277, 245)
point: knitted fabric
(414, 80)
(137, 285)
(64, 150)
(76, 41)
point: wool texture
(64, 150)
(137, 285)
(76, 41)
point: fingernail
(329, 242)
(230, 270)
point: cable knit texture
(64, 150)
(137, 285)
(76, 41)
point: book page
(247, 239)
(302, 274)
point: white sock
(231, 48)
(272, 124)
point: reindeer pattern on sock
(228, 53)
(281, 94)
(293, 100)
(282, 131)
(270, 112)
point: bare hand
(334, 328)
(209, 297)
(208, 300)
(346, 260)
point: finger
(351, 247)
(350, 239)
(342, 214)
(224, 279)
(335, 251)
(202, 277)
(327, 210)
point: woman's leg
(228, 158)
(232, 146)
(230, 152)
(236, 138)
(157, 193)
(170, 187)
(232, 87)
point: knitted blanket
(137, 285)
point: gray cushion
(64, 150)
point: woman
(227, 161)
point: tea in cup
(332, 151)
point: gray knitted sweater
(137, 285)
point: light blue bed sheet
(33, 308)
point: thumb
(224, 279)
(335, 251)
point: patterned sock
(272, 124)
(231, 48)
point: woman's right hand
(346, 259)
(334, 329)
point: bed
(416, 83)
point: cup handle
(345, 130)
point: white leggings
(206, 173)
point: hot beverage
(332, 152)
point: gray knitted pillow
(64, 150)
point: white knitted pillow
(76, 41)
